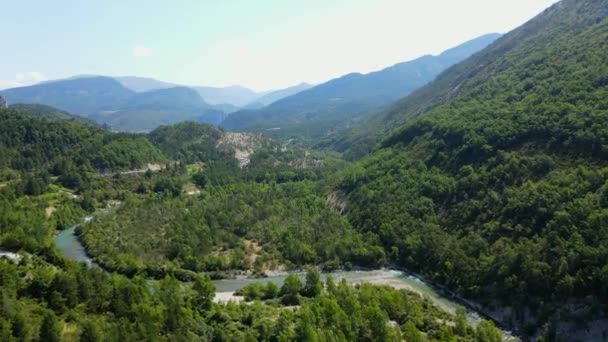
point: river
(68, 243)
(393, 278)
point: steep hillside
(193, 142)
(244, 144)
(67, 148)
(337, 103)
(500, 190)
(460, 78)
(188, 142)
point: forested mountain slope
(145, 226)
(336, 103)
(31, 143)
(187, 141)
(528, 39)
(500, 190)
(49, 112)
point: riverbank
(72, 247)
(509, 334)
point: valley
(461, 196)
(68, 243)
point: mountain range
(230, 98)
(137, 103)
(236, 96)
(339, 102)
(488, 180)
(141, 104)
(107, 101)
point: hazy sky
(260, 44)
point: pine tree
(313, 285)
(90, 332)
(50, 331)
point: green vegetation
(497, 191)
(48, 112)
(66, 302)
(212, 232)
(189, 142)
(68, 149)
(243, 219)
(501, 193)
(532, 41)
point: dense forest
(49, 112)
(533, 40)
(40, 144)
(66, 302)
(501, 193)
(242, 226)
(236, 219)
(209, 214)
(491, 182)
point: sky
(260, 44)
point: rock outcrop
(243, 145)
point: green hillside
(483, 193)
(158, 235)
(530, 38)
(48, 112)
(188, 141)
(31, 143)
(500, 192)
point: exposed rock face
(14, 257)
(337, 201)
(3, 102)
(243, 144)
(306, 162)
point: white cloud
(141, 51)
(23, 79)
